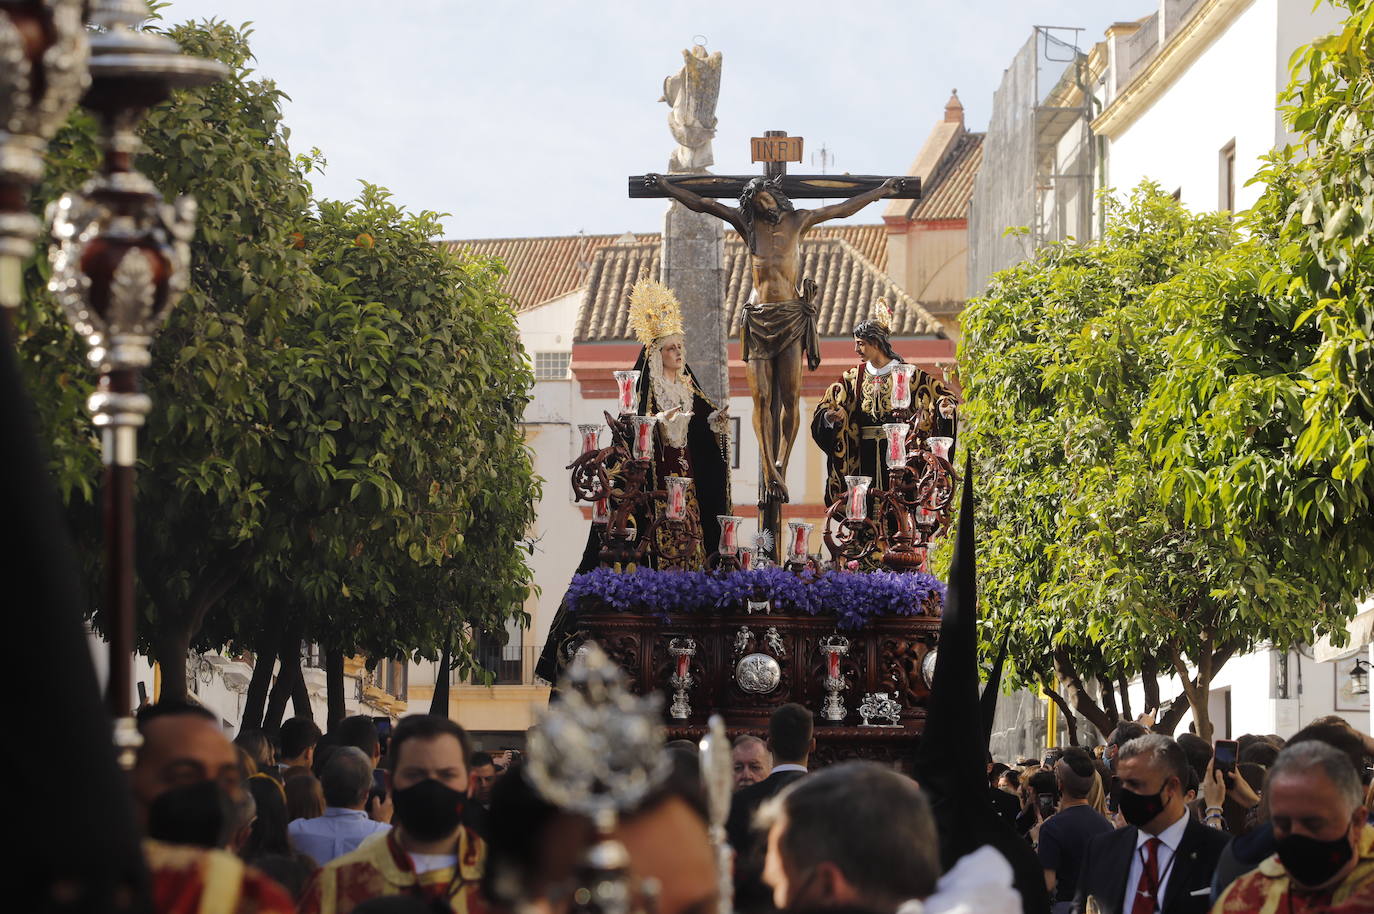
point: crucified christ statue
(780, 323)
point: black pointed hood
(80, 850)
(951, 761)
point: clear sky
(524, 118)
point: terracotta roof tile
(948, 192)
(550, 267)
(540, 268)
(848, 284)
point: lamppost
(120, 261)
(43, 53)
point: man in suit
(790, 742)
(1162, 861)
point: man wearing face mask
(1325, 858)
(1162, 862)
(189, 791)
(428, 854)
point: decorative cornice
(1187, 44)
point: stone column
(694, 268)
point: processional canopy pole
(120, 261)
(717, 777)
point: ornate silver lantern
(598, 753)
(43, 53)
(120, 262)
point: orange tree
(336, 404)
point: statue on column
(692, 94)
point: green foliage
(335, 441)
(1079, 558)
(1173, 424)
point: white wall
(1261, 701)
(1228, 93)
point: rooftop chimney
(954, 109)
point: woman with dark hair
(268, 847)
(848, 422)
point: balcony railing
(507, 669)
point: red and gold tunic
(1267, 889)
(194, 880)
(381, 867)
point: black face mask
(428, 810)
(1311, 861)
(198, 814)
(1139, 808)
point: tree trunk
(287, 675)
(261, 682)
(1125, 691)
(1149, 681)
(1108, 699)
(334, 686)
(300, 695)
(172, 644)
(180, 621)
(1167, 722)
(1082, 702)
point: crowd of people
(350, 821)
(1150, 823)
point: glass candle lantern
(894, 443)
(901, 385)
(601, 511)
(939, 446)
(857, 507)
(798, 538)
(676, 508)
(625, 383)
(729, 533)
(832, 664)
(591, 438)
(644, 436)
(746, 559)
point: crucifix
(780, 321)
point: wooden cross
(775, 149)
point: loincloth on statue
(769, 328)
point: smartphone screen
(1224, 755)
(1048, 804)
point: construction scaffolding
(1038, 175)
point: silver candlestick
(834, 647)
(682, 651)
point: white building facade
(1189, 101)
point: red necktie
(1148, 887)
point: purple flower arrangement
(853, 597)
